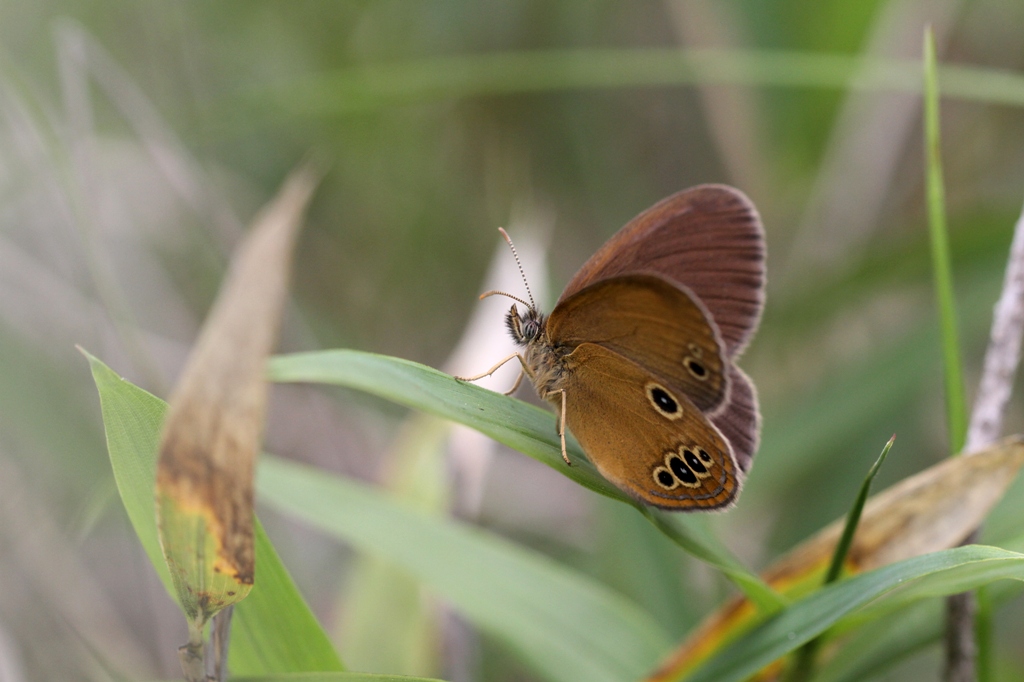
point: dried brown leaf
(216, 414)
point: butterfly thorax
(544, 360)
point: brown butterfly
(638, 355)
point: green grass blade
(273, 629)
(805, 659)
(956, 408)
(853, 518)
(887, 641)
(523, 427)
(938, 574)
(565, 625)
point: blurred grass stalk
(1000, 367)
(375, 86)
(960, 644)
(969, 627)
(956, 410)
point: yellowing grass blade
(928, 512)
(214, 426)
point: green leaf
(941, 573)
(132, 419)
(885, 642)
(518, 425)
(273, 628)
(565, 625)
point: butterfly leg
(561, 425)
(494, 369)
(519, 379)
(523, 370)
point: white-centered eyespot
(694, 462)
(663, 401)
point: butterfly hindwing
(740, 420)
(644, 435)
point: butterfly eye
(515, 327)
(663, 401)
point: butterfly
(638, 355)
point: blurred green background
(138, 139)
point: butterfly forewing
(708, 238)
(653, 322)
(643, 435)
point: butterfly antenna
(519, 264)
(502, 293)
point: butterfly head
(526, 327)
